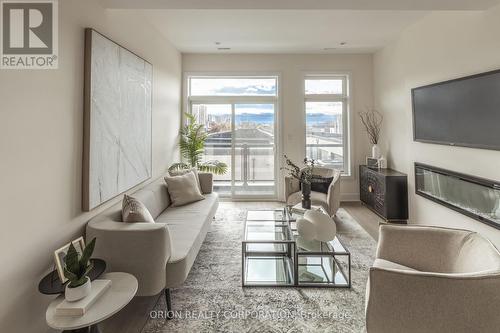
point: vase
(375, 151)
(324, 226)
(306, 195)
(76, 294)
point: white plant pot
(76, 294)
(375, 152)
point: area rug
(212, 299)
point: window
(232, 86)
(327, 131)
(238, 114)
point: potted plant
(192, 147)
(372, 120)
(76, 270)
(304, 176)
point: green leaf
(87, 252)
(70, 276)
(71, 260)
(216, 167)
(88, 269)
(79, 282)
(178, 166)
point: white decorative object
(76, 294)
(306, 229)
(117, 121)
(324, 225)
(382, 163)
(78, 308)
(375, 152)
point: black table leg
(169, 303)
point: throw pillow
(184, 171)
(134, 211)
(320, 184)
(183, 189)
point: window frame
(188, 101)
(345, 98)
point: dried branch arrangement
(372, 120)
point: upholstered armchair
(330, 201)
(433, 280)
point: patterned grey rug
(212, 299)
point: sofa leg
(170, 314)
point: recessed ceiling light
(223, 48)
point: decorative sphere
(306, 229)
(324, 225)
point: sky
(262, 87)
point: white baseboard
(349, 197)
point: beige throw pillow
(134, 211)
(183, 189)
(184, 171)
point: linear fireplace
(472, 196)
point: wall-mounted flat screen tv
(462, 112)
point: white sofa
(433, 280)
(159, 255)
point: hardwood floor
(134, 316)
(364, 216)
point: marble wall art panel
(117, 126)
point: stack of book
(79, 308)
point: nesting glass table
(275, 255)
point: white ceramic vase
(324, 225)
(306, 229)
(375, 152)
(76, 294)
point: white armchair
(330, 201)
(433, 280)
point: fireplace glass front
(475, 197)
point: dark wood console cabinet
(384, 191)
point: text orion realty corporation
(29, 37)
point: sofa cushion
(183, 189)
(134, 210)
(386, 264)
(320, 184)
(155, 197)
(181, 172)
(317, 199)
(188, 226)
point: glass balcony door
(241, 134)
(254, 150)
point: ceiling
(304, 4)
(286, 26)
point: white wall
(41, 127)
(441, 46)
(292, 67)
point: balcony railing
(329, 154)
(253, 165)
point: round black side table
(52, 285)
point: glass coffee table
(275, 255)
